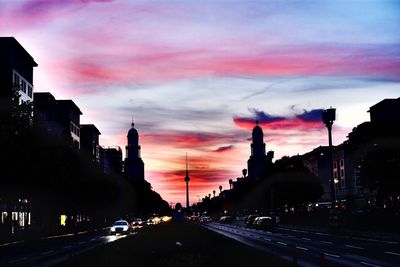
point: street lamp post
(328, 117)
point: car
(250, 220)
(226, 219)
(137, 223)
(264, 223)
(120, 227)
(205, 219)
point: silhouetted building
(90, 141)
(317, 161)
(59, 117)
(134, 166)
(348, 157)
(258, 162)
(386, 112)
(16, 68)
(111, 159)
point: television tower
(187, 179)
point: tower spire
(187, 179)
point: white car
(120, 227)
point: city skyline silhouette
(195, 77)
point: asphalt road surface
(52, 250)
(315, 248)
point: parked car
(226, 219)
(250, 220)
(120, 227)
(265, 223)
(205, 219)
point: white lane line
(350, 246)
(321, 234)
(301, 248)
(392, 253)
(332, 255)
(267, 239)
(282, 243)
(391, 242)
(18, 260)
(83, 242)
(327, 242)
(11, 243)
(305, 238)
(47, 252)
(68, 246)
(369, 264)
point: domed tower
(258, 162)
(134, 166)
(258, 145)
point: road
(52, 250)
(315, 248)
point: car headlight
(125, 228)
(113, 229)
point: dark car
(250, 220)
(226, 219)
(265, 223)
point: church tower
(258, 162)
(134, 166)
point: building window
(16, 79)
(30, 91)
(341, 172)
(23, 86)
(341, 163)
(334, 165)
(335, 174)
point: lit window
(334, 164)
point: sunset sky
(195, 75)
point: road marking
(332, 255)
(305, 238)
(83, 242)
(321, 234)
(302, 248)
(11, 243)
(68, 246)
(267, 239)
(18, 260)
(392, 253)
(369, 264)
(326, 242)
(350, 246)
(47, 252)
(282, 243)
(391, 242)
